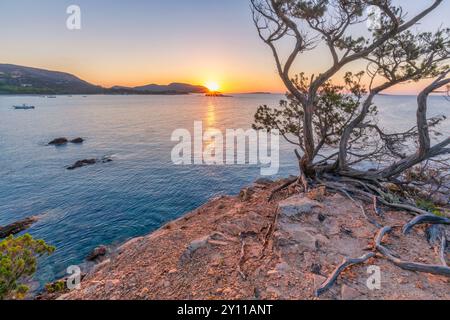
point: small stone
(321, 217)
(316, 268)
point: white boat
(23, 107)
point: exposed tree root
(269, 233)
(282, 187)
(370, 194)
(443, 249)
(242, 237)
(411, 266)
(360, 205)
(339, 269)
(377, 210)
(426, 218)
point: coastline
(235, 247)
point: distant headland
(16, 79)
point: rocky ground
(247, 248)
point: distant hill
(173, 87)
(25, 80)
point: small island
(216, 94)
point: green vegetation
(55, 287)
(429, 206)
(11, 89)
(18, 260)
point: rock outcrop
(17, 227)
(248, 248)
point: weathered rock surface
(297, 205)
(17, 227)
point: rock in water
(82, 163)
(58, 142)
(106, 159)
(98, 252)
(77, 140)
(17, 227)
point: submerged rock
(58, 142)
(17, 227)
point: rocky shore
(244, 247)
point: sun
(212, 86)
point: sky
(137, 42)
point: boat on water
(24, 107)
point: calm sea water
(141, 189)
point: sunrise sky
(138, 42)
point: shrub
(18, 261)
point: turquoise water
(141, 189)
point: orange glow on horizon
(212, 86)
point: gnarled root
(282, 187)
(339, 269)
(425, 218)
(359, 204)
(443, 249)
(411, 266)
